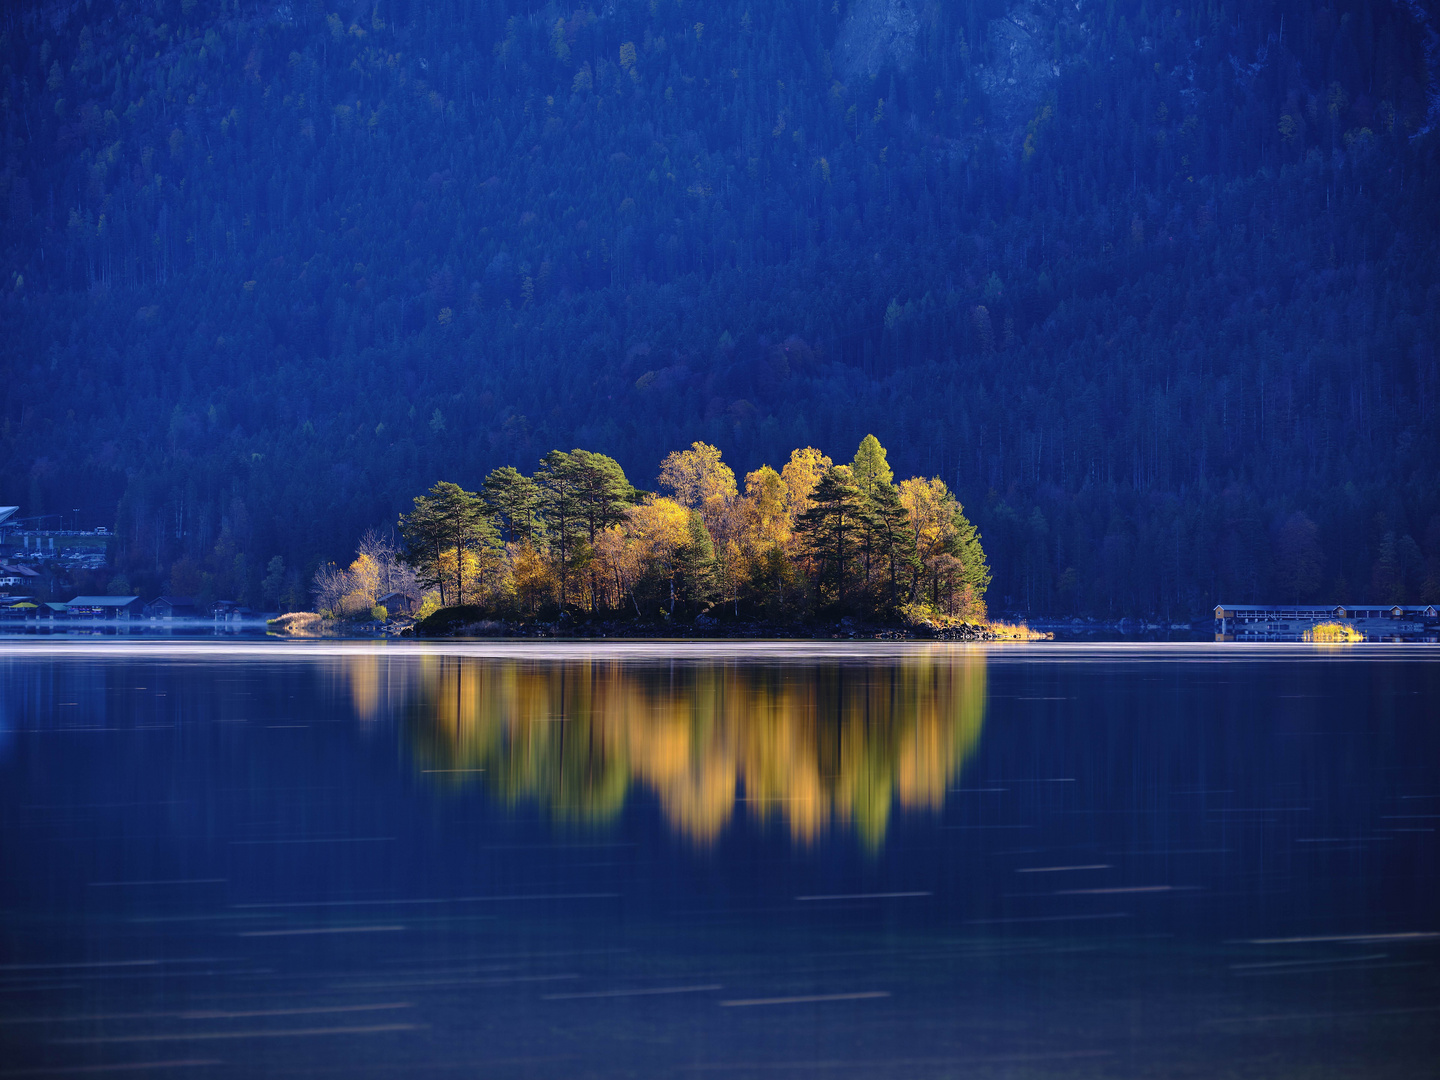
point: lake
(733, 860)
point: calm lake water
(658, 859)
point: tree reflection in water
(825, 745)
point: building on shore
(11, 577)
(103, 607)
(1291, 622)
(398, 603)
(174, 607)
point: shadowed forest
(1151, 287)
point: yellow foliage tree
(651, 537)
(365, 578)
(533, 578)
(760, 530)
(765, 514)
(801, 473)
(462, 568)
(928, 504)
(701, 481)
(359, 586)
(940, 541)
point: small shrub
(299, 624)
(920, 614)
(1333, 633)
(378, 613)
(1017, 632)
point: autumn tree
(364, 585)
(871, 468)
(642, 553)
(801, 473)
(701, 481)
(950, 572)
(761, 530)
(533, 579)
(765, 517)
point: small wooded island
(577, 543)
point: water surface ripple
(879, 859)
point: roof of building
(101, 601)
(1312, 609)
(23, 571)
(7, 512)
(175, 601)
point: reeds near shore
(300, 624)
(1017, 632)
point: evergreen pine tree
(515, 500)
(831, 530)
(695, 565)
(894, 541)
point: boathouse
(1282, 622)
(103, 607)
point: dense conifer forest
(1150, 286)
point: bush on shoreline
(300, 624)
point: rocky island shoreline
(452, 623)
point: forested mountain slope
(1153, 287)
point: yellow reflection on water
(364, 679)
(816, 746)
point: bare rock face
(1020, 70)
(876, 33)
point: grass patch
(299, 624)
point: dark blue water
(667, 860)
